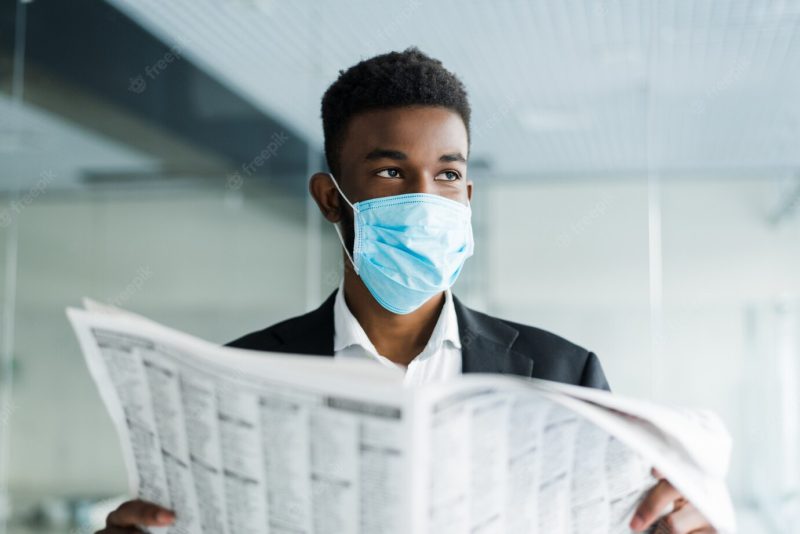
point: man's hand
(684, 518)
(132, 514)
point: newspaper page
(504, 454)
(691, 448)
(236, 441)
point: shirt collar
(348, 331)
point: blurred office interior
(637, 190)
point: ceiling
(557, 86)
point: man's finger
(653, 505)
(685, 520)
(138, 512)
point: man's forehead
(430, 130)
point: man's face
(414, 149)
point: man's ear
(326, 196)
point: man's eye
(389, 173)
(450, 176)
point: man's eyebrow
(387, 153)
(381, 153)
(455, 156)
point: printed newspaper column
(126, 372)
(447, 470)
(590, 505)
(382, 469)
(526, 420)
(555, 470)
(285, 418)
(627, 477)
(241, 440)
(488, 442)
(164, 381)
(202, 429)
(335, 469)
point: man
(397, 141)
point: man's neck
(400, 338)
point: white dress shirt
(440, 360)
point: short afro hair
(391, 80)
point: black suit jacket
(488, 345)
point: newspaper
(237, 441)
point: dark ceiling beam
(89, 62)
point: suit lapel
(486, 344)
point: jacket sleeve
(592, 375)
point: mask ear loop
(336, 226)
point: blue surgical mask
(407, 248)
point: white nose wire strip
(336, 226)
